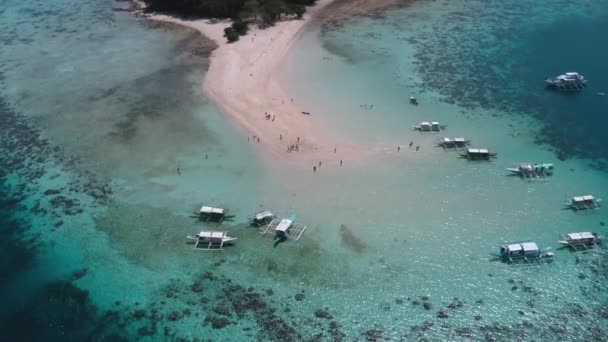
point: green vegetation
(264, 13)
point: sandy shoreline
(243, 81)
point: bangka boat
(580, 240)
(569, 81)
(586, 202)
(453, 143)
(429, 127)
(524, 251)
(212, 214)
(285, 228)
(210, 240)
(478, 154)
(532, 171)
(262, 218)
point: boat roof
(284, 225)
(425, 123)
(588, 198)
(263, 214)
(459, 139)
(523, 246)
(583, 198)
(446, 139)
(513, 247)
(434, 123)
(581, 236)
(211, 210)
(211, 235)
(572, 73)
(529, 246)
(478, 150)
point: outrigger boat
(212, 214)
(532, 171)
(569, 81)
(429, 127)
(586, 202)
(262, 218)
(453, 143)
(284, 228)
(524, 251)
(580, 241)
(210, 240)
(478, 154)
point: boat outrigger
(210, 240)
(524, 251)
(262, 218)
(284, 228)
(212, 214)
(532, 171)
(429, 127)
(580, 241)
(453, 143)
(478, 154)
(570, 81)
(586, 202)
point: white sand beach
(243, 81)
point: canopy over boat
(284, 225)
(210, 210)
(580, 236)
(263, 215)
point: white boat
(262, 218)
(478, 154)
(580, 240)
(532, 171)
(432, 127)
(453, 143)
(523, 251)
(567, 82)
(585, 202)
(285, 228)
(212, 214)
(210, 240)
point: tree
(231, 34)
(298, 10)
(240, 27)
(251, 9)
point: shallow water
(94, 136)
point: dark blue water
(496, 55)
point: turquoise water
(99, 112)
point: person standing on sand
(314, 169)
(280, 136)
(418, 148)
(178, 171)
(411, 143)
(319, 164)
(335, 149)
(340, 162)
(298, 139)
(398, 148)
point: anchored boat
(429, 127)
(570, 81)
(532, 171)
(580, 241)
(478, 154)
(210, 240)
(212, 214)
(453, 143)
(586, 202)
(524, 251)
(285, 228)
(262, 218)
